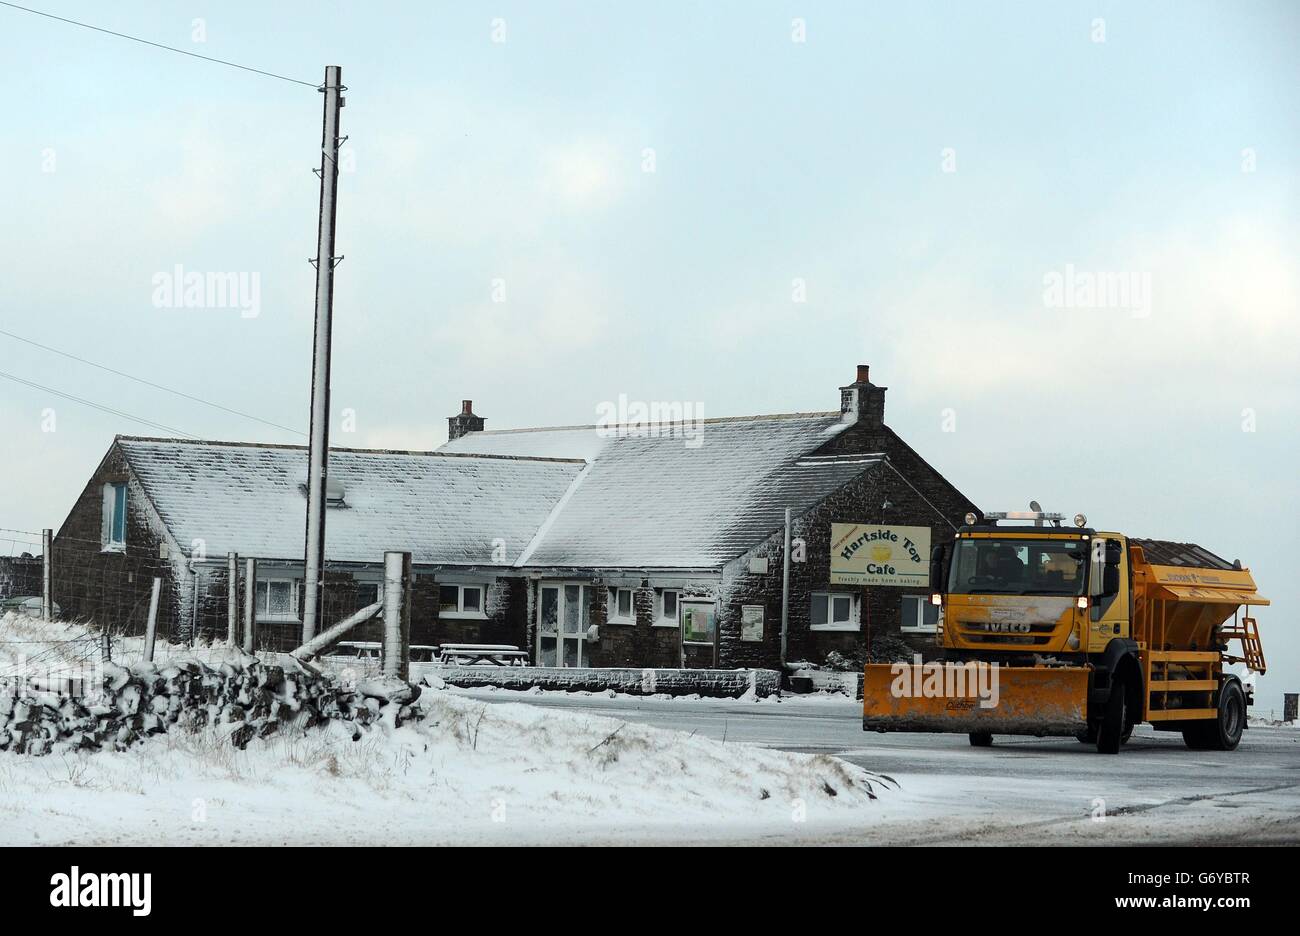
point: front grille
(981, 632)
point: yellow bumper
(966, 698)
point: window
(620, 606)
(114, 526)
(1009, 566)
(277, 600)
(465, 601)
(667, 616)
(919, 616)
(834, 611)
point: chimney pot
(467, 407)
(863, 369)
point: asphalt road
(1021, 790)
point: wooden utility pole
(318, 450)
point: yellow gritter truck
(1051, 630)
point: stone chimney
(862, 402)
(464, 422)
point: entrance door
(563, 616)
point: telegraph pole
(318, 450)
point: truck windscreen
(1018, 567)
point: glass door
(548, 620)
(563, 616)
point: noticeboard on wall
(751, 623)
(880, 554)
(699, 622)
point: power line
(158, 45)
(149, 383)
(98, 406)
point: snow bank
(462, 771)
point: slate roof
(667, 499)
(442, 507)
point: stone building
(644, 544)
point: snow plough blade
(970, 698)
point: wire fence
(108, 587)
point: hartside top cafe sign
(880, 555)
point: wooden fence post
(232, 598)
(151, 626)
(250, 605)
(397, 614)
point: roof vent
(334, 491)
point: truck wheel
(1110, 733)
(1224, 732)
(981, 739)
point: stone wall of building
(880, 608)
(112, 587)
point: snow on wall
(676, 682)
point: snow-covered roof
(661, 497)
(443, 507)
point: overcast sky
(920, 175)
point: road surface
(1021, 790)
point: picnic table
(481, 655)
(364, 649)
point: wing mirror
(1103, 568)
(937, 583)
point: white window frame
(109, 514)
(661, 619)
(612, 615)
(276, 616)
(918, 625)
(854, 623)
(460, 614)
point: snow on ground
(467, 772)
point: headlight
(970, 519)
(1080, 520)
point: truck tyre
(1110, 733)
(981, 739)
(1224, 732)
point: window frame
(853, 624)
(661, 619)
(922, 602)
(113, 492)
(612, 615)
(460, 614)
(276, 617)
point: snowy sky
(923, 169)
